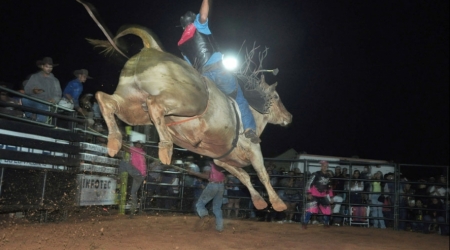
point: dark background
(365, 78)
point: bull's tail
(145, 34)
(95, 16)
(148, 38)
(109, 46)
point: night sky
(366, 78)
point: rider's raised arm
(204, 10)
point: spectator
(337, 200)
(345, 173)
(190, 165)
(320, 187)
(234, 194)
(406, 198)
(74, 88)
(377, 199)
(435, 214)
(169, 180)
(416, 215)
(4, 97)
(213, 191)
(199, 49)
(290, 195)
(136, 168)
(271, 169)
(439, 188)
(366, 175)
(421, 192)
(356, 186)
(300, 184)
(390, 199)
(189, 180)
(431, 183)
(42, 85)
(175, 189)
(154, 176)
(339, 183)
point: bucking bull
(188, 110)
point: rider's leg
(248, 121)
(228, 84)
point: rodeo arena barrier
(49, 169)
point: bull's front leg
(243, 176)
(258, 165)
(108, 107)
(157, 113)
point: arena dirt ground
(175, 231)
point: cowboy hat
(45, 60)
(82, 72)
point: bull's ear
(272, 87)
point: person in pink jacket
(319, 186)
(136, 168)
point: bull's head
(277, 112)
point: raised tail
(148, 38)
(95, 16)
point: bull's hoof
(278, 205)
(165, 152)
(114, 146)
(259, 203)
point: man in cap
(42, 85)
(74, 88)
(199, 49)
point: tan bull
(187, 109)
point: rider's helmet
(187, 19)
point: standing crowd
(44, 86)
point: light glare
(230, 63)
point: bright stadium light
(230, 63)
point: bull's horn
(274, 71)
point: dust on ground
(109, 230)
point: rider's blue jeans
(228, 84)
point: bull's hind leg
(108, 107)
(243, 176)
(258, 165)
(157, 113)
